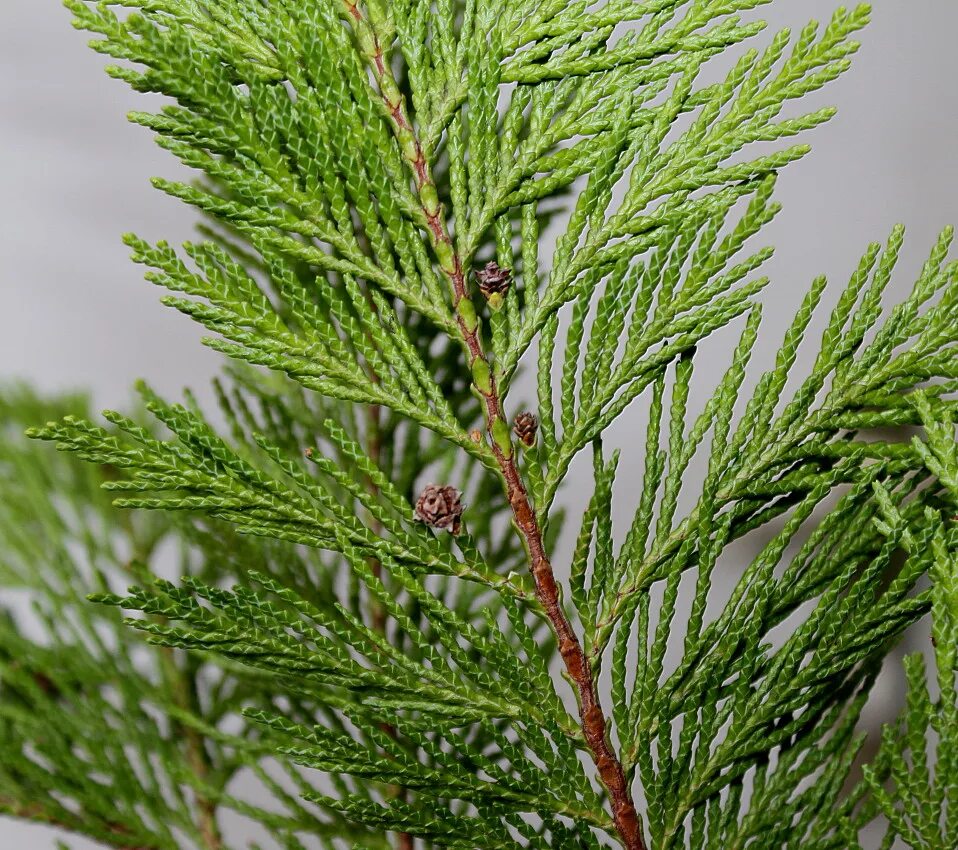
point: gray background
(73, 177)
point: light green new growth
(306, 649)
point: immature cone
(525, 427)
(440, 507)
(494, 283)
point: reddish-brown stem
(484, 380)
(576, 663)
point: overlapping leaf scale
(729, 679)
(289, 418)
(791, 799)
(644, 319)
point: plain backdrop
(74, 177)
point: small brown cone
(494, 283)
(440, 507)
(525, 427)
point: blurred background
(74, 176)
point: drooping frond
(740, 689)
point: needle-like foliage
(346, 587)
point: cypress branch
(367, 614)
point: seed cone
(440, 507)
(494, 282)
(525, 427)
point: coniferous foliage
(332, 606)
